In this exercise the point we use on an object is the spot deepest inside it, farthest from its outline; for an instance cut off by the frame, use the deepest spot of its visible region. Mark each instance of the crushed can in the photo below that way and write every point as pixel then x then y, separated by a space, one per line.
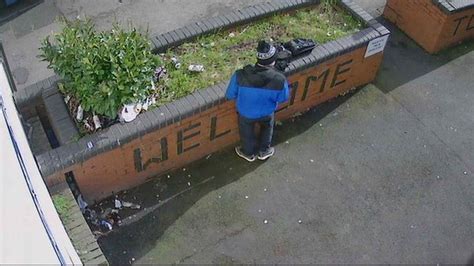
pixel 176 62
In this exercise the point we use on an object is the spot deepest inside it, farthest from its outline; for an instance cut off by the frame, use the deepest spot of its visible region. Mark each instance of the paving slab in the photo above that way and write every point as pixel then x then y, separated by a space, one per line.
pixel 22 36
pixel 436 89
pixel 382 176
pixel 365 182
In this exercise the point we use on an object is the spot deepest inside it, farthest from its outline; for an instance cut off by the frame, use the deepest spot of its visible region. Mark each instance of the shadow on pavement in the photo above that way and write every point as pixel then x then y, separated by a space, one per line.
pixel 133 240
pixel 404 60
pixel 10 12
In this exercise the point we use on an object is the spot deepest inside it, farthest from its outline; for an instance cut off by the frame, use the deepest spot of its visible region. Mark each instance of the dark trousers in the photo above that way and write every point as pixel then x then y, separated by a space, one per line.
pixel 250 141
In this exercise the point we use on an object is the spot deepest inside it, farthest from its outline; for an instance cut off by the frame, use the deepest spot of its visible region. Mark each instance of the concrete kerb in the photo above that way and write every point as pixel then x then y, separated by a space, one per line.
pixel 202 100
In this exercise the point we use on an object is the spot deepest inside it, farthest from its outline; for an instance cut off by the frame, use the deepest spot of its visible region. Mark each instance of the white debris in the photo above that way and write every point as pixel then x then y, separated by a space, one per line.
pixel 169 176
pixel 265 189
pixel 259 210
pixel 265 221
pixel 287 142
pixel 145 104
pixel 311 160
pixel 129 112
pixel 184 169
pixel 138 107
pixel 246 197
pixel 189 175
pixel 231 34
pixel 437 177
pixel 67 98
pixel 176 62
pixel 219 196
pixel 320 125
pixel 299 221
pixel 82 203
pixel 90 145
pixel 208 156
pixel 130 205
pixel 96 120
pixel 118 204
pixel 465 173
pixel 80 113
pixel 196 68
pixel 189 183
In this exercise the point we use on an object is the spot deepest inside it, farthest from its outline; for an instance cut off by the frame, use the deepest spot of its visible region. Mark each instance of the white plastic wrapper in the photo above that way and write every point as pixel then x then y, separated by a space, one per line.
pixel 80 113
pixel 96 120
pixel 196 68
pixel 128 113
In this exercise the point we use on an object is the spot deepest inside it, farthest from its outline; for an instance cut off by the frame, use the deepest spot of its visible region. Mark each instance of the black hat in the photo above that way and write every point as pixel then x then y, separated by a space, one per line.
pixel 266 53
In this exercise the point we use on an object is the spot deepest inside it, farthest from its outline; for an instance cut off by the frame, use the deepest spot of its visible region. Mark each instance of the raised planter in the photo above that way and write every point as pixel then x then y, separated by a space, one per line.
pixel 175 134
pixel 433 24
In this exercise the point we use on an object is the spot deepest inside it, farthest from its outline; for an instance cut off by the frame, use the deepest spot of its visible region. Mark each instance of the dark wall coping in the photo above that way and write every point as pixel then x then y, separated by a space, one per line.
pixel 59 117
pixel 152 120
pixel 25 96
pixel 454 6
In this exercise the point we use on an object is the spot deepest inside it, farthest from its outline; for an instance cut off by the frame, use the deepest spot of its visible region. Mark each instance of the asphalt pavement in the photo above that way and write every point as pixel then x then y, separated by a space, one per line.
pixel 383 175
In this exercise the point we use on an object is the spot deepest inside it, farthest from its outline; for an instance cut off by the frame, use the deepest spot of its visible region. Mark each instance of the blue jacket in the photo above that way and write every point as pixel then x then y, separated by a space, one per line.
pixel 257 90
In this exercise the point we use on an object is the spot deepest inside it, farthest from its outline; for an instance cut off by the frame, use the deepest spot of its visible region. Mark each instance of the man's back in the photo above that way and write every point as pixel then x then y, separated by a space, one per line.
pixel 257 90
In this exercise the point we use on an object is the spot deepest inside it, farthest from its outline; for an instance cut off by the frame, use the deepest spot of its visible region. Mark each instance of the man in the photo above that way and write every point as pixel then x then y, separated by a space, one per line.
pixel 258 90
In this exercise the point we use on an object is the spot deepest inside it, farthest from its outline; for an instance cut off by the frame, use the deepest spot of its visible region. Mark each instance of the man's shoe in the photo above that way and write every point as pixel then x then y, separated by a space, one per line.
pixel 267 154
pixel 249 158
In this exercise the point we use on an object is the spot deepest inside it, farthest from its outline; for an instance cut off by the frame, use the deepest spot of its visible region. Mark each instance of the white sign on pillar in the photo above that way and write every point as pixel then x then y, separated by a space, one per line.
pixel 376 45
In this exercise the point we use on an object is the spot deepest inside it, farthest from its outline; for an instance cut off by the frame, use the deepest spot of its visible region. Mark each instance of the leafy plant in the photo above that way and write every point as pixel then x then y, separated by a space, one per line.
pixel 103 70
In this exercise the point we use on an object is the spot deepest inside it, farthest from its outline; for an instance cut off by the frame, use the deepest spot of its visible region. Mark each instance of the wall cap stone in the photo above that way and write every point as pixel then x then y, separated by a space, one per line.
pixel 454 6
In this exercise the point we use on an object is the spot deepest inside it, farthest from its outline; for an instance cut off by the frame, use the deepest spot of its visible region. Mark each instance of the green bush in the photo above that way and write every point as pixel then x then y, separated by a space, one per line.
pixel 102 70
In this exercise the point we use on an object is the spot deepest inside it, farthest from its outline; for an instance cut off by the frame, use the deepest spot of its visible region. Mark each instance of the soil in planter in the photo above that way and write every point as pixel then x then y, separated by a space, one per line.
pixel 224 52
pixel 86 125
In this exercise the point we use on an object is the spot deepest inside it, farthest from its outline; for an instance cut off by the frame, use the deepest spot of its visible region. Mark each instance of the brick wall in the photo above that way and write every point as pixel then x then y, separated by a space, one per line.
pixel 177 133
pixel 180 143
pixel 430 24
pixel 458 27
